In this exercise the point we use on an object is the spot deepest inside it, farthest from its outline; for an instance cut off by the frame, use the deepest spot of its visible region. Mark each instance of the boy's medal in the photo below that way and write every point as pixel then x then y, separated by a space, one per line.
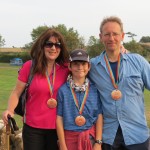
pixel 115 94
pixel 80 119
pixel 51 103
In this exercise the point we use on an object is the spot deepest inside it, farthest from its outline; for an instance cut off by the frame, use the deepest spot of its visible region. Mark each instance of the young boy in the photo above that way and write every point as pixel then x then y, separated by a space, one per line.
pixel 79 114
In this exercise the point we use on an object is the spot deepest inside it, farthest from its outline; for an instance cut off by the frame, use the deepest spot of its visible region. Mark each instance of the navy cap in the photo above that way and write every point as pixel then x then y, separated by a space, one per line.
pixel 80 55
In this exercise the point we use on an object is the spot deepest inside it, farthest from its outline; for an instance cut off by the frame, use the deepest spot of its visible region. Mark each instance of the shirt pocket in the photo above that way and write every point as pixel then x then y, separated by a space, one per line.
pixel 133 85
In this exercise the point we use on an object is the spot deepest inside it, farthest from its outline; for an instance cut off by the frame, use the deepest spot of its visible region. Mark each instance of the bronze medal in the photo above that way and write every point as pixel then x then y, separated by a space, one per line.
pixel 116 94
pixel 52 103
pixel 80 120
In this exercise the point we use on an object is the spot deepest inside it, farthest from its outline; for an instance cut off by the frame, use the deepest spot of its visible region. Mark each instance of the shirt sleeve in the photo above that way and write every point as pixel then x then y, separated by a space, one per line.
pixel 24 72
pixel 146 72
pixel 60 103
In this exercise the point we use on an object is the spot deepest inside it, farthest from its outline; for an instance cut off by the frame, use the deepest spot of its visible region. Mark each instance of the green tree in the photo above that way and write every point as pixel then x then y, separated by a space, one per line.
pixel 94 47
pixel 92 40
pixel 145 39
pixel 146 47
pixel 81 42
pixel 71 36
pixel 135 47
pixel 2 41
pixel 38 31
pixel 28 46
pixel 131 35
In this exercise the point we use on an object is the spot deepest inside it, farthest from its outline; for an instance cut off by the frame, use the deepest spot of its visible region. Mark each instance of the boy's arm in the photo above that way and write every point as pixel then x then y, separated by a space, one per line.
pixel 99 129
pixel 60 133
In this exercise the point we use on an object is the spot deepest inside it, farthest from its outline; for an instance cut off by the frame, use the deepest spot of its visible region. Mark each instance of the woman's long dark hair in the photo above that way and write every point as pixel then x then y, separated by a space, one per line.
pixel 38 55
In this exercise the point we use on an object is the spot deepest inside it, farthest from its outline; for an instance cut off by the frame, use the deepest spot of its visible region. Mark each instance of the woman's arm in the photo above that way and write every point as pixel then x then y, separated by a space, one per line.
pixel 13 100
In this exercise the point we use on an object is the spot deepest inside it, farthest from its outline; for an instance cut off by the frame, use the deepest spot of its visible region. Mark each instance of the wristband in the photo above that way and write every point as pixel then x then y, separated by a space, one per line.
pixel 98 141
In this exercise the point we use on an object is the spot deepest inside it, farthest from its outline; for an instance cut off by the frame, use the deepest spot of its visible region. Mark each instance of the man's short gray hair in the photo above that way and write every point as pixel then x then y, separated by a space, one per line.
pixel 111 19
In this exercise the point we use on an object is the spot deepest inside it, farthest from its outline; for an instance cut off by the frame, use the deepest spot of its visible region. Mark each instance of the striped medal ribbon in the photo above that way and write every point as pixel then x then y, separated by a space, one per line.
pixel 51 103
pixel 80 119
pixel 116 93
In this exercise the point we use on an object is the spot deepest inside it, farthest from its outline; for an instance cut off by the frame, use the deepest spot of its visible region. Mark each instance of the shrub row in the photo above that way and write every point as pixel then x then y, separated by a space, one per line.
pixel 6 56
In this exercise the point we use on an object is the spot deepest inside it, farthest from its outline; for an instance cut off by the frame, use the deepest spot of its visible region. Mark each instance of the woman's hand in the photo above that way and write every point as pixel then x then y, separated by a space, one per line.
pixel 5 116
pixel 123 50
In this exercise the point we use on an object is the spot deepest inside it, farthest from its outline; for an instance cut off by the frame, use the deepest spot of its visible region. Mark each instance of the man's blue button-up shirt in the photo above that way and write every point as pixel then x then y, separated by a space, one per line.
pixel 128 112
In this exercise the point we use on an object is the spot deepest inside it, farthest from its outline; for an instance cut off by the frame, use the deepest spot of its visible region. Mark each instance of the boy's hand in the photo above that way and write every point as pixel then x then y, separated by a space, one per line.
pixel 97 146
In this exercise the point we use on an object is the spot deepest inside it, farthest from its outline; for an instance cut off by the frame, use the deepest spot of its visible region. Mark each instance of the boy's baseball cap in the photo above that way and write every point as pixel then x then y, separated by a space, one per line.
pixel 80 55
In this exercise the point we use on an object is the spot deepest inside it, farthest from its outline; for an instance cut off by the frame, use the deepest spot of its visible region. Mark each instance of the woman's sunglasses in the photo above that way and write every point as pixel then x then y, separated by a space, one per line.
pixel 51 44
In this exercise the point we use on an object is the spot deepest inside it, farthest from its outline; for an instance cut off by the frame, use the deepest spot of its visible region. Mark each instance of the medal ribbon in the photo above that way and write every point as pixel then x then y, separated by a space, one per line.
pixel 115 84
pixel 76 100
pixel 51 85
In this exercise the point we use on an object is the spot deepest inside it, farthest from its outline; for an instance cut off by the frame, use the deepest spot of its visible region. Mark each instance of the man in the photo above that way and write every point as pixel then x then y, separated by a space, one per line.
pixel 121 79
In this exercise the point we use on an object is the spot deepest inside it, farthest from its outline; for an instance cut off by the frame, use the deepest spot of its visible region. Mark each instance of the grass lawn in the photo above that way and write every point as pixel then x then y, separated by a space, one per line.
pixel 147 105
pixel 8 77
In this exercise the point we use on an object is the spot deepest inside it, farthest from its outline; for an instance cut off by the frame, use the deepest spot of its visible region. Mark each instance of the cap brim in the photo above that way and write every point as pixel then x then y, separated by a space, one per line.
pixel 80 59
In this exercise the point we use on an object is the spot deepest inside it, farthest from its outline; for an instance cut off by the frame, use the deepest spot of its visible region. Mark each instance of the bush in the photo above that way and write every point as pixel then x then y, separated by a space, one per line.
pixel 6 56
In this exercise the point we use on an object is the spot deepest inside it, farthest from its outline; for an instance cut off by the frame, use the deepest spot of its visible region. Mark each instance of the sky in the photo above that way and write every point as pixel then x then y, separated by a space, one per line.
pixel 19 17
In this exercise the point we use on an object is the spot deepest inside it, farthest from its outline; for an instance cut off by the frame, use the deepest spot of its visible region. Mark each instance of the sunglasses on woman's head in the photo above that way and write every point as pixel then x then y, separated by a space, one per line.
pixel 51 44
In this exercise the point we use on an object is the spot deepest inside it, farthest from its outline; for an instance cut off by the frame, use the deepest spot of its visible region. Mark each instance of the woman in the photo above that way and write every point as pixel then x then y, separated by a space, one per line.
pixel 50 72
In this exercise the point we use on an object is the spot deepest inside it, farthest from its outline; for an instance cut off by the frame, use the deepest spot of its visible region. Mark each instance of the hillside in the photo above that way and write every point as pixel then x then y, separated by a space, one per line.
pixel 6 50
pixel 146 44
